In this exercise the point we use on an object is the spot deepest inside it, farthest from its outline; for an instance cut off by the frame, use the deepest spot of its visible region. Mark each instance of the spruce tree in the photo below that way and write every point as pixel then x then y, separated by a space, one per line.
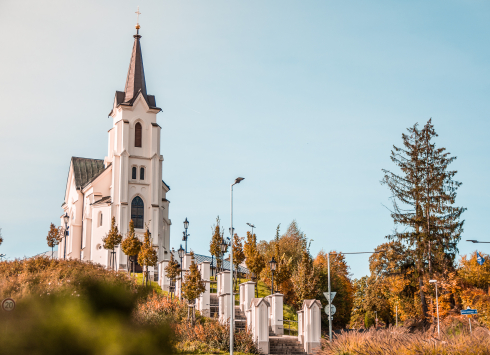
pixel 112 240
pixel 423 195
pixel 53 238
pixel 131 245
pixel 147 256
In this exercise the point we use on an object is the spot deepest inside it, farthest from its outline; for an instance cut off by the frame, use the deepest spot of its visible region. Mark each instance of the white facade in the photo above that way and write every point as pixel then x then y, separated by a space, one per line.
pixel 130 174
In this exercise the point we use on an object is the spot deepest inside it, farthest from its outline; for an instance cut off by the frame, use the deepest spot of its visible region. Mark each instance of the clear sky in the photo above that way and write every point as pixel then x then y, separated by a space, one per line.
pixel 302 98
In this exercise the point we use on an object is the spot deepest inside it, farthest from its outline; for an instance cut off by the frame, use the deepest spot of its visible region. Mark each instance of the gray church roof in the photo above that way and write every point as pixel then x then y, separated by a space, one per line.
pixel 85 170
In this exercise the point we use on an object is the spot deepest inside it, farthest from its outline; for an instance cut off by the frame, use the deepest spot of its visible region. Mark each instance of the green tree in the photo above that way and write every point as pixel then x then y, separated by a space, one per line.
pixel 423 196
pixel 238 255
pixel 172 270
pixel 53 238
pixel 148 255
pixel 305 280
pixel 112 240
pixel 215 245
pixel 131 245
pixel 253 259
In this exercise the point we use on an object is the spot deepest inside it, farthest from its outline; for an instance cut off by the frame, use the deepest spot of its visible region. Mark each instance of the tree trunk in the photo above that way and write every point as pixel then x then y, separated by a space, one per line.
pixel 422 300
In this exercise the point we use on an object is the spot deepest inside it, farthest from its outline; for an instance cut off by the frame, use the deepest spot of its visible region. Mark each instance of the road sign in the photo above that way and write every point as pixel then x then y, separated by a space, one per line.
pixel 332 296
pixel 469 311
pixel 8 304
pixel 327 309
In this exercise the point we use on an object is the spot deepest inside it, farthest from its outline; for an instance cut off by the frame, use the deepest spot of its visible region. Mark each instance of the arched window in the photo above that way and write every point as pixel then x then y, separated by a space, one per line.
pixel 137 135
pixel 137 212
pixel 142 173
pixel 133 173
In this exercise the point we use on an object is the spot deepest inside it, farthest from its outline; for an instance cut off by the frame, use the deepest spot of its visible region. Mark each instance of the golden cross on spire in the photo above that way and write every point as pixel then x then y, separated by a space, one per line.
pixel 138 13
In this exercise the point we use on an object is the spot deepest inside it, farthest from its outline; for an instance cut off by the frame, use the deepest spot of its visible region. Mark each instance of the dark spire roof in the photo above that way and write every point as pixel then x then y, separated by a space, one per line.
pixel 135 81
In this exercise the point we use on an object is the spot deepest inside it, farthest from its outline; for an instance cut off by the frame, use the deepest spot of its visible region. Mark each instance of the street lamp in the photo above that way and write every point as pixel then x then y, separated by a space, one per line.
pixel 186 225
pixel 437 305
pixel 181 256
pixel 66 218
pixel 329 300
pixel 273 265
pixel 224 246
pixel 232 298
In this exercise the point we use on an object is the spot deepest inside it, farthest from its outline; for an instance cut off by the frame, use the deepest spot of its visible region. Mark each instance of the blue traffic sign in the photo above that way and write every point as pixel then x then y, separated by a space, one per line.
pixel 469 311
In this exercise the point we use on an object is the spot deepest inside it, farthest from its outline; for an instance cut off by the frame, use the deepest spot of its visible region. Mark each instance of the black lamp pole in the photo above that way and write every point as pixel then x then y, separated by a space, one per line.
pixel 186 225
pixel 181 256
pixel 273 264
pixel 66 218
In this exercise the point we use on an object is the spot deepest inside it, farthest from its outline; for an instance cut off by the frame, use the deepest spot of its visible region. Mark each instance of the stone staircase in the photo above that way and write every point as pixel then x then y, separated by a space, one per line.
pixel 287 345
pixel 240 319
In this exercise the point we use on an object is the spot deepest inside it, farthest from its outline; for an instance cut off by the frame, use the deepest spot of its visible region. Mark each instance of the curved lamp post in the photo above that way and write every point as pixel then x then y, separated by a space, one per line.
pixel 66 219
pixel 181 256
pixel 232 298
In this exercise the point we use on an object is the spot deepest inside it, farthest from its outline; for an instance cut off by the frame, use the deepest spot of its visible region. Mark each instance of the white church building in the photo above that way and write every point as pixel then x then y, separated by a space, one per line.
pixel 127 184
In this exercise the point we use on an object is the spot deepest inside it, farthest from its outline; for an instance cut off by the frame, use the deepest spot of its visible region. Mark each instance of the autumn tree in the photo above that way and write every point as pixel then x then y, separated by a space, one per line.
pixel 238 255
pixel 474 274
pixel 254 260
pixel 423 198
pixel 131 245
pixel 305 280
pixel 112 240
pixel 193 285
pixel 215 245
pixel 172 270
pixel 53 238
pixel 340 282
pixel 147 256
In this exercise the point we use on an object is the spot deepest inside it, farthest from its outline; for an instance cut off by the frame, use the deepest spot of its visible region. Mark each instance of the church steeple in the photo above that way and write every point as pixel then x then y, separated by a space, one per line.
pixel 135 80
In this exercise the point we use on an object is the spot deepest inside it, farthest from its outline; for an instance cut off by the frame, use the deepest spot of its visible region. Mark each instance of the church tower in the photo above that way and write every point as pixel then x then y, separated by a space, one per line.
pixel 127 184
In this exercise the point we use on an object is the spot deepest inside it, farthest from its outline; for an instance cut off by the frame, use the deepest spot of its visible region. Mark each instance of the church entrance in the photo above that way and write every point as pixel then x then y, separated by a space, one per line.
pixel 137 267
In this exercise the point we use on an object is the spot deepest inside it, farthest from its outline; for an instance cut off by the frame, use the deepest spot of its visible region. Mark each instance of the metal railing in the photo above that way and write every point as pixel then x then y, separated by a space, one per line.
pixel 290 331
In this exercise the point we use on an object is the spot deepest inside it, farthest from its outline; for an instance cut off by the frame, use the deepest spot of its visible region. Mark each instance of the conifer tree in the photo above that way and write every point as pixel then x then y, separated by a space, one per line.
pixel 53 238
pixel 172 270
pixel 112 240
pixel 215 245
pixel 305 280
pixel 254 260
pixel 423 195
pixel 238 255
pixel 147 256
pixel 131 245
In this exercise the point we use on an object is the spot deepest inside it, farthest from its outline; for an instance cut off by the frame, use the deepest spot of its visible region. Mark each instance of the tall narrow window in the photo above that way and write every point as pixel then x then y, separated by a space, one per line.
pixel 100 222
pixel 137 212
pixel 142 173
pixel 133 173
pixel 137 135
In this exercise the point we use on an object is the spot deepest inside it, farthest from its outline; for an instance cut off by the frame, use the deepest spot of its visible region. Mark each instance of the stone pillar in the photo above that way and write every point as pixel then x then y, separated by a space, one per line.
pixel 260 327
pixel 301 330
pixel 224 308
pixel 312 325
pixel 248 294
pixel 223 282
pixel 187 261
pixel 277 314
pixel 204 299
pixel 163 280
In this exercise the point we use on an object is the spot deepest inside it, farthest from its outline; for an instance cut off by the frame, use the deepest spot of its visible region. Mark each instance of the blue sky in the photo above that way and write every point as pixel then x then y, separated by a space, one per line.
pixel 302 98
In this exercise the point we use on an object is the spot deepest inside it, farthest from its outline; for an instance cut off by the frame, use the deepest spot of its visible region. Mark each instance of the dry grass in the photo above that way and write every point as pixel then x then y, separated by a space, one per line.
pixel 454 339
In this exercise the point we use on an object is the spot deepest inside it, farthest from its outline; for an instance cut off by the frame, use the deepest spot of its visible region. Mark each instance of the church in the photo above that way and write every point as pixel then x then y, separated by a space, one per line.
pixel 127 184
